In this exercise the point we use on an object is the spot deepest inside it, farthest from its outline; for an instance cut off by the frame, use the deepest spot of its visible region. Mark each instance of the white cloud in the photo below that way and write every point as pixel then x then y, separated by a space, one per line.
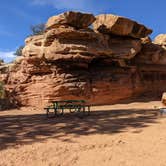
pixel 95 6
pixel 7 56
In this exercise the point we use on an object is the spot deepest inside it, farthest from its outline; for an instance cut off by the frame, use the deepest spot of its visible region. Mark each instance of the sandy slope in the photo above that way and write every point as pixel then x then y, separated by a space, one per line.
pixel 118 135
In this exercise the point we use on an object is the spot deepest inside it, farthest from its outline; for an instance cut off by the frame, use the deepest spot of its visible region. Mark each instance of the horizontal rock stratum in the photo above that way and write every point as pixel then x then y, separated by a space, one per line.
pixel 116 60
pixel 75 19
pixel 117 25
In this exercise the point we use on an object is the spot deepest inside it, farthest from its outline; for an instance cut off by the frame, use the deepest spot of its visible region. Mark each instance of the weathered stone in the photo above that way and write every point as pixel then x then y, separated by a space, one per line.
pixel 123 48
pixel 36 40
pixel 33 48
pixel 151 54
pixel 161 40
pixel 67 32
pixel 117 25
pixel 19 59
pixel 84 45
pixel 74 19
pixel 4 69
pixel 146 40
pixel 164 98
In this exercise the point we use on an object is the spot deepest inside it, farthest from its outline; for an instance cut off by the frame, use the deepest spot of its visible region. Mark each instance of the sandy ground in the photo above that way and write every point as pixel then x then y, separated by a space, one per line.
pixel 118 135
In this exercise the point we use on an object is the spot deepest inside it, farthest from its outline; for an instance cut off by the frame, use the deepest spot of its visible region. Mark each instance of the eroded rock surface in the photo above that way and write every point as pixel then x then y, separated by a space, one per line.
pixel 117 25
pixel 164 98
pixel 161 40
pixel 72 61
pixel 151 54
pixel 74 19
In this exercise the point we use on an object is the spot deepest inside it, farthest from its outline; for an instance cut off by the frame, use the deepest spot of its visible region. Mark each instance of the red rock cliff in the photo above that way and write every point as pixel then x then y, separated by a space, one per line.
pixel 114 61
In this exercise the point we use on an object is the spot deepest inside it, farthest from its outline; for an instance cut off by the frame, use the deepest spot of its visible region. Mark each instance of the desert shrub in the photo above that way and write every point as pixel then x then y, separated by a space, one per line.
pixel 19 51
pixel 1 61
pixel 37 29
pixel 2 90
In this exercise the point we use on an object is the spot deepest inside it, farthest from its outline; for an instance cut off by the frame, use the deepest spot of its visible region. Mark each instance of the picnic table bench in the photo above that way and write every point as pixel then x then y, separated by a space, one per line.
pixel 74 106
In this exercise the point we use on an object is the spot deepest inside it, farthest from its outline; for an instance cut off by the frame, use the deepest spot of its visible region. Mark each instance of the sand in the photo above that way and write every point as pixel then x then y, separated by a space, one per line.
pixel 132 134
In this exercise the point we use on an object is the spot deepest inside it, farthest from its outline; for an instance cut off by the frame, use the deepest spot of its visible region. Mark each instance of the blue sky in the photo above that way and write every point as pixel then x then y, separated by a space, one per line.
pixel 16 16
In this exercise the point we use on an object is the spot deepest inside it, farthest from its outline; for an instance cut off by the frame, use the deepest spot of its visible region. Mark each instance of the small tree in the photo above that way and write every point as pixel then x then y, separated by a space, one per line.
pixel 2 90
pixel 38 29
pixel 1 61
pixel 19 51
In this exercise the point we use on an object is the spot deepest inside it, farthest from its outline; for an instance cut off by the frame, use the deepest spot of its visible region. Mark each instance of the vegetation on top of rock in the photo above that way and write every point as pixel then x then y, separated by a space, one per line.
pixel 35 30
pixel 1 61
pixel 2 90
pixel 19 51
pixel 38 29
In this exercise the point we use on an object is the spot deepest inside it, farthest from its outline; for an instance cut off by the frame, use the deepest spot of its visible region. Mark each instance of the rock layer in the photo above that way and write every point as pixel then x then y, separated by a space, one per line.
pixel 74 19
pixel 151 54
pixel 76 62
pixel 117 25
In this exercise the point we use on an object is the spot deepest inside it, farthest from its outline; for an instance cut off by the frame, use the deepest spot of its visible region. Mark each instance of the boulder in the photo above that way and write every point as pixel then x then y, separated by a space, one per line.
pixel 117 25
pixel 74 19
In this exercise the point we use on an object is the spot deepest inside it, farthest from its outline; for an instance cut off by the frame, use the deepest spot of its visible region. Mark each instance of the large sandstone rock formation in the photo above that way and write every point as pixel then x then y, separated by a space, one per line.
pixel 72 61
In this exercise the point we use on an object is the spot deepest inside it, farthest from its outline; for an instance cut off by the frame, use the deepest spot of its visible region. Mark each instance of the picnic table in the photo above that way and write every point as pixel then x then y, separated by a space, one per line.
pixel 73 106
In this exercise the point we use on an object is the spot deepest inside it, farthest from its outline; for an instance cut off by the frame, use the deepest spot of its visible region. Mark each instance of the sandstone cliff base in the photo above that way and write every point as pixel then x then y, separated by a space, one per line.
pixel 131 135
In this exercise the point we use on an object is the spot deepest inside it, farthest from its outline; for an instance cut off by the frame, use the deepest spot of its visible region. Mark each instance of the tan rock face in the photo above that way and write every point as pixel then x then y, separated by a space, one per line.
pixel 33 48
pixel 161 40
pixel 146 40
pixel 164 98
pixel 75 62
pixel 86 45
pixel 151 54
pixel 68 44
pixel 74 19
pixel 117 25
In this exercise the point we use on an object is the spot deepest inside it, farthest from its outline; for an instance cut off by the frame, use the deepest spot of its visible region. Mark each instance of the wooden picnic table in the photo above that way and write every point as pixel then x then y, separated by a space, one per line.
pixel 74 106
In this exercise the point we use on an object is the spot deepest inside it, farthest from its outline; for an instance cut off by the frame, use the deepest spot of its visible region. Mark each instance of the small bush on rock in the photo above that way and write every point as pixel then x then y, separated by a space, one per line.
pixel 2 90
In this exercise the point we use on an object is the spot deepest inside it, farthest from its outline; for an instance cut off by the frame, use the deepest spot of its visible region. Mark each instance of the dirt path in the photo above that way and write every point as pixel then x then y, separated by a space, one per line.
pixel 118 135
